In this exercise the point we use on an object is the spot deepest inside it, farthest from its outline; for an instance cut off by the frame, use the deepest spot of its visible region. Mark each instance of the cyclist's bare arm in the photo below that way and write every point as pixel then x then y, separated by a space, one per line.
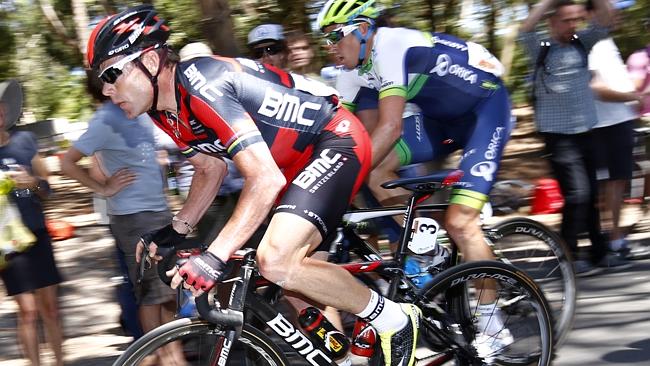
pixel 389 127
pixel 209 172
pixel 263 180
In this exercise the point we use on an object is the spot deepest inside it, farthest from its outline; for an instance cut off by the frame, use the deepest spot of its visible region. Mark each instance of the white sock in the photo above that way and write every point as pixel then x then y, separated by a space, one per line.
pixel 489 320
pixel 383 314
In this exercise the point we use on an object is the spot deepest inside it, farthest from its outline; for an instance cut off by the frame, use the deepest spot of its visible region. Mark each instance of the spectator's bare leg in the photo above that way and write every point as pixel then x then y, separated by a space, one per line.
pixel 613 200
pixel 152 316
pixel 27 326
pixel 48 307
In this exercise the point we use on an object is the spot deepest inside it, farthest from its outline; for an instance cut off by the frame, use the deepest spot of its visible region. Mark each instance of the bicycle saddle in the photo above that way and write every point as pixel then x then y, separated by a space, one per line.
pixel 426 183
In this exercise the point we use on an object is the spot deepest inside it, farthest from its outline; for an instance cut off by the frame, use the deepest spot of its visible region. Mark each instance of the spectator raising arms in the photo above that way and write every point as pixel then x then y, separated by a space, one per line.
pixel 565 114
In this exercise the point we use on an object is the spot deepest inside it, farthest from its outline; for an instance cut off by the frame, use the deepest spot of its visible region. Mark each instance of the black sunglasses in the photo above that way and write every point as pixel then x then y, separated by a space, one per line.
pixel 274 49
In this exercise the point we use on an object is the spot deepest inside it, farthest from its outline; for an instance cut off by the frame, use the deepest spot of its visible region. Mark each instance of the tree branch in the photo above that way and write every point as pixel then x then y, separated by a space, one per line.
pixel 56 24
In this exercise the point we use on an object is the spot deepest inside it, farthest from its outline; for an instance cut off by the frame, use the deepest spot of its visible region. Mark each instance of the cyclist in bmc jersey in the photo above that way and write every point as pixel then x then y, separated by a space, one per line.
pixel 456 86
pixel 288 138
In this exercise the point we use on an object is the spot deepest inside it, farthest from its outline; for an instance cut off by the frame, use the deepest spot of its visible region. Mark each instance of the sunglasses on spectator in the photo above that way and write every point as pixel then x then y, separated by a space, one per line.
pixel 111 73
pixel 273 49
pixel 335 36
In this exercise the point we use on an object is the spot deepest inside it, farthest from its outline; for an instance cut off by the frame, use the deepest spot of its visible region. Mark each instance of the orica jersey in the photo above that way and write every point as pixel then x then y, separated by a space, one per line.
pixel 225 105
pixel 443 75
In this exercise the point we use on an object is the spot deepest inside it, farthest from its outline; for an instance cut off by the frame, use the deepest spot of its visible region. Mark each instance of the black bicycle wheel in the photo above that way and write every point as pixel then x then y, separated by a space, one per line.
pixel 198 340
pixel 538 251
pixel 516 331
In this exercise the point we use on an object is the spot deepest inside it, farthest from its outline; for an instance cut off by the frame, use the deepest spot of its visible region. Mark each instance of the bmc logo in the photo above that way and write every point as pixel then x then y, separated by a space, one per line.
pixel 298 341
pixel 210 148
pixel 316 169
pixel 287 107
pixel 200 83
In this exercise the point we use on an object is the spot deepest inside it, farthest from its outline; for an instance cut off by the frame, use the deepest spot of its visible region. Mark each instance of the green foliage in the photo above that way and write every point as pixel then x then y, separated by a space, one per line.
pixel 185 18
pixel 7 47
pixel 31 51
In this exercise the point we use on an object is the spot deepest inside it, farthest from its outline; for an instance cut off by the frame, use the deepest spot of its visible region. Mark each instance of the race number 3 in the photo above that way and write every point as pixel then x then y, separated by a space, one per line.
pixel 423 235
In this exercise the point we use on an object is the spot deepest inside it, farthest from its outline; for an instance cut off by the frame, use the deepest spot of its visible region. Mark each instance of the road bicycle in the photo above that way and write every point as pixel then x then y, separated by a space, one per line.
pixel 527 244
pixel 225 335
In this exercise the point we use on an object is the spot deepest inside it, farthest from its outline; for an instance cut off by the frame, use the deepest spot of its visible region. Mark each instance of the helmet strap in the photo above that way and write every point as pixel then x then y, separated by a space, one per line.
pixel 363 40
pixel 153 78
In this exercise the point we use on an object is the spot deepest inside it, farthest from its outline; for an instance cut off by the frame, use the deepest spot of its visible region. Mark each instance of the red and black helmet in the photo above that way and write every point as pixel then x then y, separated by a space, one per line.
pixel 127 32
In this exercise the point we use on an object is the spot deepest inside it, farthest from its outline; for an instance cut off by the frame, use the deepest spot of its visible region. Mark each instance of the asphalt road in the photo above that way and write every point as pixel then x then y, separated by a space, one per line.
pixel 612 320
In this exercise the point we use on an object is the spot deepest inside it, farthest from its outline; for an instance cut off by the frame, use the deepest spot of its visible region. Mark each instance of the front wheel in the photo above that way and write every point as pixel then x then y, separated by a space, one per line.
pixel 197 342
pixel 513 325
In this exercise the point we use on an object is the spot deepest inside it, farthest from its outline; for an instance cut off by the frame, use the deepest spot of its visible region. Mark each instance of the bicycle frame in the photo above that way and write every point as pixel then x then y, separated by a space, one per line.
pixel 244 298
pixel 254 303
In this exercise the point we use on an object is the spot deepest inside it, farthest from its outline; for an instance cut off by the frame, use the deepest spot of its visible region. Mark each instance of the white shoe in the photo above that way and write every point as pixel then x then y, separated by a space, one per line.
pixel 492 336
pixel 488 347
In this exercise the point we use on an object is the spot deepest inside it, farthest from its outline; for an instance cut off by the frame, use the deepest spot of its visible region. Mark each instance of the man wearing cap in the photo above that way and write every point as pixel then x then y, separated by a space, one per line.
pixel 31 277
pixel 617 104
pixel 267 45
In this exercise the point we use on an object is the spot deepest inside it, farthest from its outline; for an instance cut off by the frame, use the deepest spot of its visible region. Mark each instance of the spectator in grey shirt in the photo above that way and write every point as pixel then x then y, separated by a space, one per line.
pixel 565 113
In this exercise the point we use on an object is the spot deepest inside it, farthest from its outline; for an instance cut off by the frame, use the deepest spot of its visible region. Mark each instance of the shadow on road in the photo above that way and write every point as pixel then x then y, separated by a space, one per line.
pixel 638 352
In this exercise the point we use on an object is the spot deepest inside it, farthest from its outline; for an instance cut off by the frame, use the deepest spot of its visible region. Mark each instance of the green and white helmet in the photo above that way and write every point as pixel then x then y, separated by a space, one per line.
pixel 346 11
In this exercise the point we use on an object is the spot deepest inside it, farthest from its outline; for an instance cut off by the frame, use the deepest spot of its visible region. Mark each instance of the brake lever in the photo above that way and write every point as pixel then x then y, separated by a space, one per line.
pixel 144 260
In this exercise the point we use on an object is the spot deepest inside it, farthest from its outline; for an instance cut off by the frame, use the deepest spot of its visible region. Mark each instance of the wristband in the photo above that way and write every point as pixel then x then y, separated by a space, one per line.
pixel 189 227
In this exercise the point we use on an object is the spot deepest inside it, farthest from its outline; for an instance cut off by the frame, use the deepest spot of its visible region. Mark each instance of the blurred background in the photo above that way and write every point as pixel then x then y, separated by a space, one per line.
pixel 42 42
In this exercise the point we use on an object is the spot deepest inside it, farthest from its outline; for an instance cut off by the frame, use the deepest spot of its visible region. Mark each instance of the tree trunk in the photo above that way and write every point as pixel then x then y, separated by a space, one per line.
pixel 508 51
pixel 81 22
pixel 217 27
pixel 55 23
pixel 432 13
pixel 491 23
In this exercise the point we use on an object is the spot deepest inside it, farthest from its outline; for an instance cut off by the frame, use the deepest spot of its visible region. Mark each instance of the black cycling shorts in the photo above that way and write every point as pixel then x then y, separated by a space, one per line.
pixel 322 183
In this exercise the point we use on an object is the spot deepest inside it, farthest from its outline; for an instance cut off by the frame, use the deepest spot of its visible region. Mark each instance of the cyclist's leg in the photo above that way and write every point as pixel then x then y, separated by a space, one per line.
pixel 299 302
pixel 382 173
pixel 311 207
pixel 489 129
pixel 482 154
pixel 418 144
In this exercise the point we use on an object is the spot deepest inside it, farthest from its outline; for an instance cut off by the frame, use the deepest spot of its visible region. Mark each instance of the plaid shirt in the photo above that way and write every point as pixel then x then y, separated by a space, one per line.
pixel 564 101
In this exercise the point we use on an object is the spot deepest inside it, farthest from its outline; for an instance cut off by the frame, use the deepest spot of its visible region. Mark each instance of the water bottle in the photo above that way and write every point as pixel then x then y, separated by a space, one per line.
pixel 172 184
pixel 364 338
pixel 321 331
pixel 416 268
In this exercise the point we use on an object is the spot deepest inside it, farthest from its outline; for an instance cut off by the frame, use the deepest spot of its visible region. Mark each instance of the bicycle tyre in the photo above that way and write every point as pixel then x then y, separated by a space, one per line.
pixel 451 290
pixel 543 255
pixel 253 347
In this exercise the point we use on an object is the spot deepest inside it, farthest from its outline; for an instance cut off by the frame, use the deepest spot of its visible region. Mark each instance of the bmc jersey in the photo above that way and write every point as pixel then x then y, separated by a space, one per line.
pixel 443 75
pixel 216 94
pixel 228 104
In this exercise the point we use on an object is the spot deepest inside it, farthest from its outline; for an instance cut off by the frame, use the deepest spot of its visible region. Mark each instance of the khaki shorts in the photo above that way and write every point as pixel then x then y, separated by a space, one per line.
pixel 127 230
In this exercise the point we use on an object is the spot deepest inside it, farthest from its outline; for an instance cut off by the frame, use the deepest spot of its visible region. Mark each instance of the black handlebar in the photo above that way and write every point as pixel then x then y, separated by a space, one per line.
pixel 225 317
